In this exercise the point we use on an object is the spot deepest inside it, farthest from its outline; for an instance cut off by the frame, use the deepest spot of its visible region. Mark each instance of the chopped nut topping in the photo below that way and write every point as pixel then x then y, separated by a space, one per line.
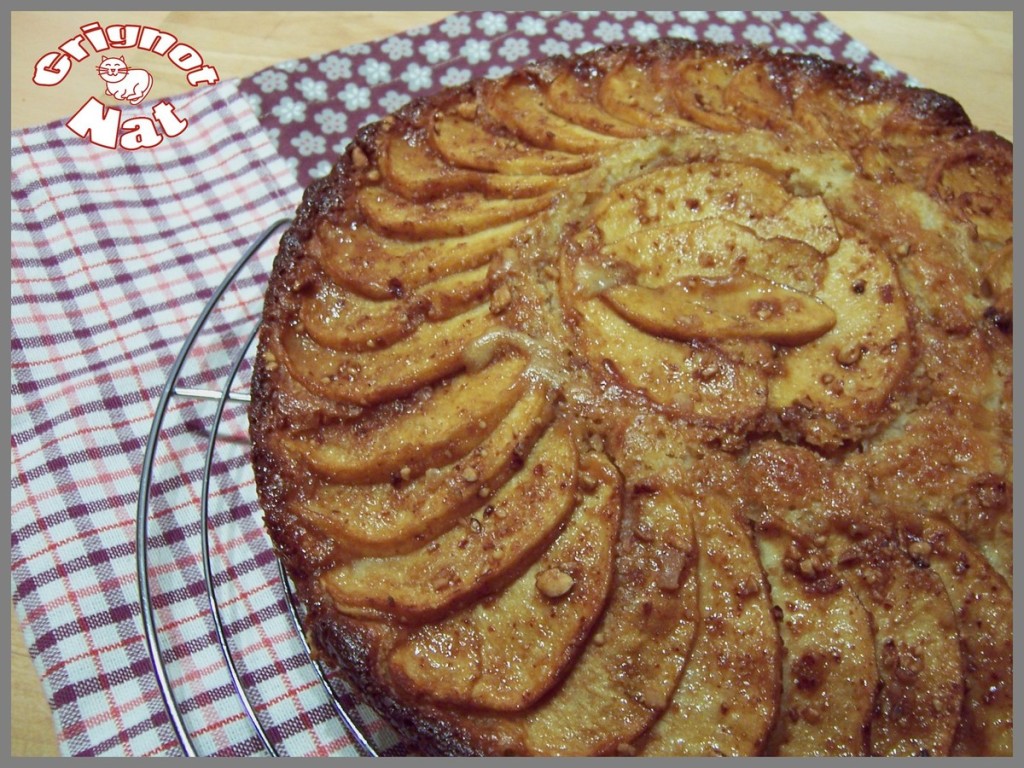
pixel 920 550
pixel 554 582
pixel 812 715
pixel 359 159
pixel 587 481
pixel 626 750
pixel 405 473
pixel 467 110
pixel 470 475
pixel 501 299
pixel 849 356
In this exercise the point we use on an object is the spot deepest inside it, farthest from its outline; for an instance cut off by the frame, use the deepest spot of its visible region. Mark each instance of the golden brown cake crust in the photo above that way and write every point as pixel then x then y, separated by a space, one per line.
pixel 735 329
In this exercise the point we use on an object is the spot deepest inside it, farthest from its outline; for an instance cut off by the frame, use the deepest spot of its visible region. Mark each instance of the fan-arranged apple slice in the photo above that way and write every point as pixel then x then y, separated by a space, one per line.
pixel 737 307
pixel 522 107
pixel 716 248
pixel 473 560
pixel 753 95
pixel 807 219
pixel 338 319
pixel 468 144
pixel 673 194
pixel 431 431
pixel 625 676
pixel 628 93
pixel 430 353
pixel 728 697
pixel 983 605
pixel 574 96
pixel 456 215
pixel 508 651
pixel 381 267
pixel 686 380
pixel 917 649
pixel 414 170
pixel 829 675
pixel 699 86
pixel 842 383
pixel 392 517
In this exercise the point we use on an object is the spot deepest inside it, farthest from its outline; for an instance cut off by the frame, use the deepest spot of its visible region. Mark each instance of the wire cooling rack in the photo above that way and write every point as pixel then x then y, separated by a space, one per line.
pixel 333 692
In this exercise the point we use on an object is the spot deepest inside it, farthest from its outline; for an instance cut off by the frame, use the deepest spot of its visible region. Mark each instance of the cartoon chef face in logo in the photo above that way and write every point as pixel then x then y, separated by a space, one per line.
pixel 123 82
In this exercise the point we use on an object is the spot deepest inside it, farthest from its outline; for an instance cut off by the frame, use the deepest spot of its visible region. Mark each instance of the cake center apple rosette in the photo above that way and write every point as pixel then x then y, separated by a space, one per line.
pixel 655 402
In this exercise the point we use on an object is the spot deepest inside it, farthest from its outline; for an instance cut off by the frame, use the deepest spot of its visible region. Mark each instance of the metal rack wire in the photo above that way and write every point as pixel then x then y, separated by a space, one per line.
pixel 173 388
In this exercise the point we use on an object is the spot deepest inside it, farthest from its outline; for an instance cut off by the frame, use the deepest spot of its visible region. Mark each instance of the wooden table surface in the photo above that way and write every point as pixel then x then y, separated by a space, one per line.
pixel 966 55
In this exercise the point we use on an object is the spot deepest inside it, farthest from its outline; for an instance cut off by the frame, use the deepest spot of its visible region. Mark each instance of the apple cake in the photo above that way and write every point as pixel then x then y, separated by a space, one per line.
pixel 654 401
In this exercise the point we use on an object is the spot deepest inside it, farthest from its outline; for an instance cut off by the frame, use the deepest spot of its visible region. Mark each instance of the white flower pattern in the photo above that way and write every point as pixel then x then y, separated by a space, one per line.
pixel 514 48
pixel 313 90
pixel 336 67
pixel 609 32
pixel 531 25
pixel 289 110
pixel 455 76
pixel 476 51
pixel 355 97
pixel 331 121
pixel 375 71
pixel 492 23
pixel 436 50
pixel 308 143
pixel 270 80
pixel 393 100
pixel 417 77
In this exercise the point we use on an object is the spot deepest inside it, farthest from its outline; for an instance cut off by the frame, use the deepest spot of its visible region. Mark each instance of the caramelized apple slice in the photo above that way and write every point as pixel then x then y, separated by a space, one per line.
pixel 983 604
pixel 574 96
pixel 631 95
pixel 728 697
pixel 523 108
pixel 917 649
pixel 738 307
pixel 699 86
pixel 415 171
pixel 686 380
pixel 752 95
pixel 829 675
pixel 507 652
pixel 338 319
pixel 472 560
pixel 743 194
pixel 430 432
pixel 457 215
pixel 432 352
pixel 396 517
pixel 624 678
pixel 997 282
pixel 466 143
pixel 716 248
pixel 380 267
pixel 807 219
pixel 841 383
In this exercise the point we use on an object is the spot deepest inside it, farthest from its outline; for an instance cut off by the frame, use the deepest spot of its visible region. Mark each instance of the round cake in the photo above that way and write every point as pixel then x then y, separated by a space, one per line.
pixel 655 401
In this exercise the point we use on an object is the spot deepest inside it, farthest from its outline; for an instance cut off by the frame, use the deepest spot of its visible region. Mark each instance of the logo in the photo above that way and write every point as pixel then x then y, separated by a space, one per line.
pixel 103 125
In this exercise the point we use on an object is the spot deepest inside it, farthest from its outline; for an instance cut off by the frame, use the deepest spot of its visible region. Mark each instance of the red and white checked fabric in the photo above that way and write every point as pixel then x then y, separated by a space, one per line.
pixel 114 253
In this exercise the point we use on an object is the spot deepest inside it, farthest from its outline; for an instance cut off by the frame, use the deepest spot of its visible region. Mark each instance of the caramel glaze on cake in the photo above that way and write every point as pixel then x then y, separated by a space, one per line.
pixel 654 401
